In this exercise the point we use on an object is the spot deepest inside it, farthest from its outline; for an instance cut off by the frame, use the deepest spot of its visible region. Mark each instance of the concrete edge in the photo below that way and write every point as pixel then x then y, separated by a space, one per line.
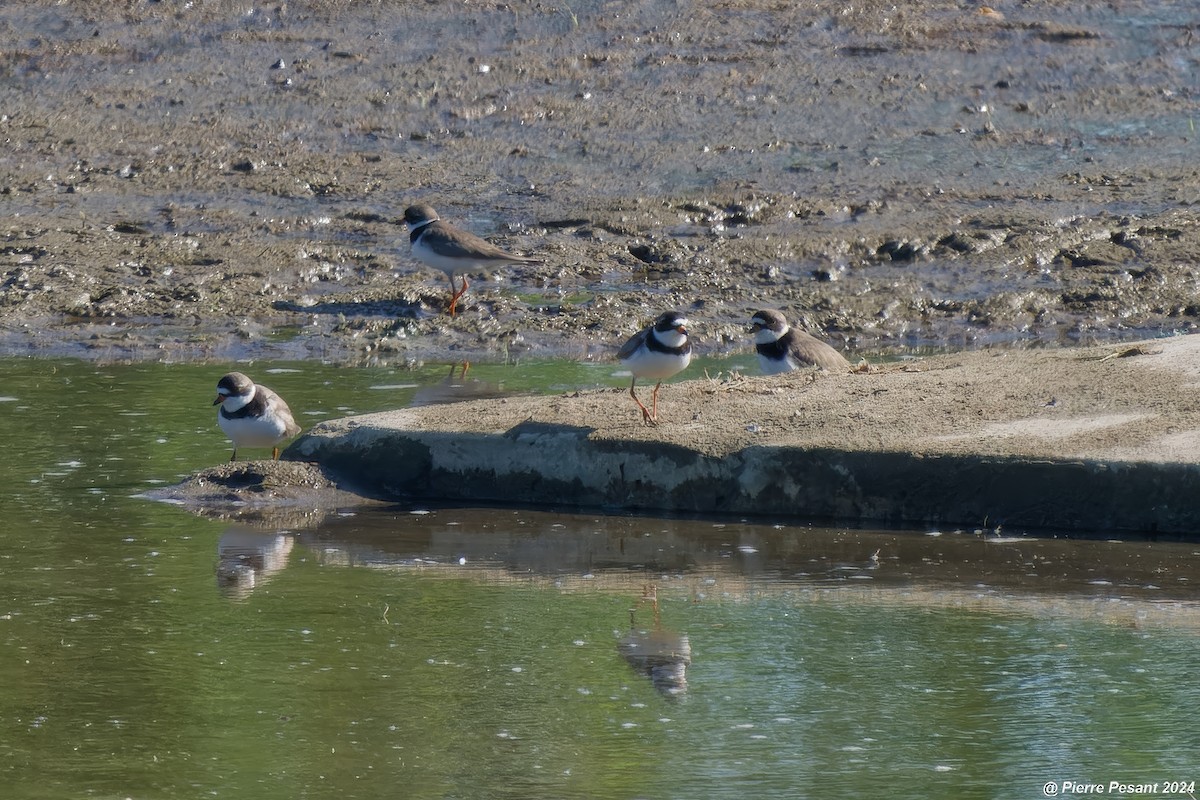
pixel 544 464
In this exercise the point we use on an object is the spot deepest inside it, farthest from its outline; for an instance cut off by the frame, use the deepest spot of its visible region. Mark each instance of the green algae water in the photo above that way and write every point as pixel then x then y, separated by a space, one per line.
pixel 433 652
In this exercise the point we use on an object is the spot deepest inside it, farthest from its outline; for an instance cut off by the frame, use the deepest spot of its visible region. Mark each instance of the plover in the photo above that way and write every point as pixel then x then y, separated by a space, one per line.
pixel 451 250
pixel 782 348
pixel 252 415
pixel 656 352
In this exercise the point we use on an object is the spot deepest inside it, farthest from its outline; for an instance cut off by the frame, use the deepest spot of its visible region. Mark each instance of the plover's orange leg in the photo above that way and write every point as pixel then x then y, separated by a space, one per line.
pixel 654 402
pixel 647 417
pixel 456 293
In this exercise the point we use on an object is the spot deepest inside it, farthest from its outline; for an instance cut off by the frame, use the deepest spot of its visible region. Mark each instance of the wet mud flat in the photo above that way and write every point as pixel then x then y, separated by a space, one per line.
pixel 224 181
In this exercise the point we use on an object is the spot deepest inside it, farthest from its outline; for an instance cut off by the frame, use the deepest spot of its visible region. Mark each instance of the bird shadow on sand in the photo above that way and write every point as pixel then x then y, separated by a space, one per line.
pixel 532 429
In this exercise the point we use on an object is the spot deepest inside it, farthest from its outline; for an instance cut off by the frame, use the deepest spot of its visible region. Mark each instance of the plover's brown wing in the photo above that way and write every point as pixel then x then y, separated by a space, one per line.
pixel 808 349
pixel 630 347
pixel 450 242
pixel 278 406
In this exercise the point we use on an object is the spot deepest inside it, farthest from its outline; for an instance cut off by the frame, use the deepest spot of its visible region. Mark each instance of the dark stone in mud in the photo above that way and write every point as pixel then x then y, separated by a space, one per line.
pixel 967 243
pixel 1058 34
pixel 901 250
pixel 1077 259
pixel 657 255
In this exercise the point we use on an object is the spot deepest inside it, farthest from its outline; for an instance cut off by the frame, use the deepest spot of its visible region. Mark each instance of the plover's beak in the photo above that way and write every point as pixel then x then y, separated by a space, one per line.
pixel 681 329
pixel 220 399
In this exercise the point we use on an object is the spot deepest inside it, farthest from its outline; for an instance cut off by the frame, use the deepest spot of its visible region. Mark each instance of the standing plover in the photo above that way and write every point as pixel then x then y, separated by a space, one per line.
pixel 252 415
pixel 443 246
pixel 656 352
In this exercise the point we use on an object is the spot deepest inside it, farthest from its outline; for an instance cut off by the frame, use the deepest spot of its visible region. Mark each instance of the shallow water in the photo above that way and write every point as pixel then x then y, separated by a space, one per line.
pixel 444 652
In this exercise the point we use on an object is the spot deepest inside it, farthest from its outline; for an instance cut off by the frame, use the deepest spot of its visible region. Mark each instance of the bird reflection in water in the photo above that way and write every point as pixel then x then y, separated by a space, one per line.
pixel 455 388
pixel 246 559
pixel 661 654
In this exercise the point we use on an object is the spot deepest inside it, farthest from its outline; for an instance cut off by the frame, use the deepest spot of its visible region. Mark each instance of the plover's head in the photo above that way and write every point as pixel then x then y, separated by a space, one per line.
pixel 767 326
pixel 671 321
pixel 671 328
pixel 418 215
pixel 234 387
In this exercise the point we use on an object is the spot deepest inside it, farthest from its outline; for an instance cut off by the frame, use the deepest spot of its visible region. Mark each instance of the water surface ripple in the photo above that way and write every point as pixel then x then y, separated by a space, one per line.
pixel 483 653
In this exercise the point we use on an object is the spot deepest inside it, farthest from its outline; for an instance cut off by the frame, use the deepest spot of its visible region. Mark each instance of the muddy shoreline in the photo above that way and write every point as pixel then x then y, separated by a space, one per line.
pixel 217 183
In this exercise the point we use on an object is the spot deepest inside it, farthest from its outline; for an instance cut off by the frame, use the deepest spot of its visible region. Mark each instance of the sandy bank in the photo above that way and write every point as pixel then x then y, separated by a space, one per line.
pixel 1094 439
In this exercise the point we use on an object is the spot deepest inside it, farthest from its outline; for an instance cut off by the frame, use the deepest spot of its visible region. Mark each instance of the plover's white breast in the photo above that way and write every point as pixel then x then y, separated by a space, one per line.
pixel 775 366
pixel 655 365
pixel 266 430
